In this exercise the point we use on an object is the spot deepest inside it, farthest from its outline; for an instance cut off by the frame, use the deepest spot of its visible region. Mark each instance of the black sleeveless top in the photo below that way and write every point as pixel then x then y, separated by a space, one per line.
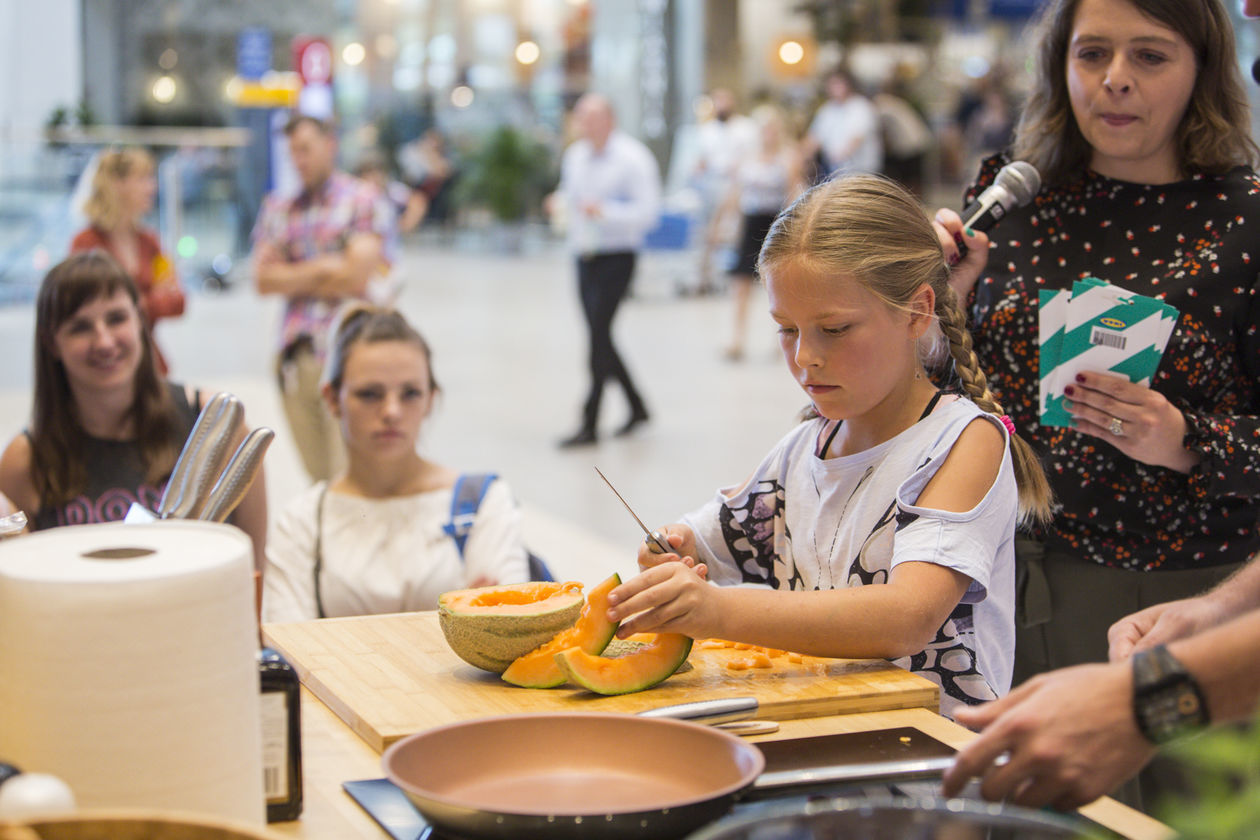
pixel 116 475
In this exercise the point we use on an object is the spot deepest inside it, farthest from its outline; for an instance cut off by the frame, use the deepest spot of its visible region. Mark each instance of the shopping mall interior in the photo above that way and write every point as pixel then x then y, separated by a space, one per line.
pixel 206 85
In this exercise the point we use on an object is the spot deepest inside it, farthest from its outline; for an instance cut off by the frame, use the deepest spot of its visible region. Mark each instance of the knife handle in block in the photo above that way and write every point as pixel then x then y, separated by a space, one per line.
pixel 177 493
pixel 237 476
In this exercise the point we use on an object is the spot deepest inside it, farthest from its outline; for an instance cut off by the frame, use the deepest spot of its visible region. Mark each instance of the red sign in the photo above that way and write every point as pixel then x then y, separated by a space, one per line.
pixel 313 60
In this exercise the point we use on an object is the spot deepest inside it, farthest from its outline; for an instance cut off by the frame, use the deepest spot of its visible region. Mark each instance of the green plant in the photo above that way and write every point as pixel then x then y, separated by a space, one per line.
pixel 507 174
pixel 1224 769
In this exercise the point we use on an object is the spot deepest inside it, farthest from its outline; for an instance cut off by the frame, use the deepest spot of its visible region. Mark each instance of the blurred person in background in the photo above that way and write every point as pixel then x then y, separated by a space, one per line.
pixel 845 132
pixel 427 167
pixel 408 205
pixel 316 249
pixel 609 193
pixel 983 123
pixel 904 133
pixel 766 179
pixel 1137 121
pixel 106 427
pixel 723 141
pixel 374 539
pixel 122 194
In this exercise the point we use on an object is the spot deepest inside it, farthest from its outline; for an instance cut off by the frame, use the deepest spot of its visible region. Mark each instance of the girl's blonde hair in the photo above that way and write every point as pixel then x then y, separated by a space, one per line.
pixel 872 229
pixel 103 207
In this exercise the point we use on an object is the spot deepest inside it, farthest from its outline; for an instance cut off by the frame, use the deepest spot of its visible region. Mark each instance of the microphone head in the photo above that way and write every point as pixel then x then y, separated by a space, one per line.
pixel 1021 179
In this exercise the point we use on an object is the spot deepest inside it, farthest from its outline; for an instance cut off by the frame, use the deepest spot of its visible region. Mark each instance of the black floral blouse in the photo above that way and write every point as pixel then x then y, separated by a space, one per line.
pixel 1189 243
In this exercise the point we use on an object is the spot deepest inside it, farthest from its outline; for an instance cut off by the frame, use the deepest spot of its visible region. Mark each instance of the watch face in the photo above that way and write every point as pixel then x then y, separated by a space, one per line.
pixel 1172 711
pixel 1166 700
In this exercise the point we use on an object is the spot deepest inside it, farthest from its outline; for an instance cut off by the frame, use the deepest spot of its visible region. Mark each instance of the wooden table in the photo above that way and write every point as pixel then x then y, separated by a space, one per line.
pixel 388 676
pixel 333 753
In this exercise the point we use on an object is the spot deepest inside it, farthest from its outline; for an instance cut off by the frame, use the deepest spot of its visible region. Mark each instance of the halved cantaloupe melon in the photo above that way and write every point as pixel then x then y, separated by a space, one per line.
pixel 491 626
pixel 591 632
pixel 636 671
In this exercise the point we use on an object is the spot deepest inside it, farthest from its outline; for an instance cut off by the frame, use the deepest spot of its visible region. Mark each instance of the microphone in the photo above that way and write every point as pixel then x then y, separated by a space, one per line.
pixel 1015 185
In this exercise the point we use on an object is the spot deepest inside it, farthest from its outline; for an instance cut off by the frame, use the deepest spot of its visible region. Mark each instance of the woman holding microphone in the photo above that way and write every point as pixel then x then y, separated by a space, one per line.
pixel 1137 124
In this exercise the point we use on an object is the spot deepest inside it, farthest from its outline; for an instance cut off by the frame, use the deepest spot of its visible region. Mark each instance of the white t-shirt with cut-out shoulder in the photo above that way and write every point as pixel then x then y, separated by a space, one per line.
pixel 807 523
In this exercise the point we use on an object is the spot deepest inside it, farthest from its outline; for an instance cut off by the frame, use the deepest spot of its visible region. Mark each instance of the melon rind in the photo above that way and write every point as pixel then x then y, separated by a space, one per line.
pixel 591 632
pixel 493 640
pixel 632 672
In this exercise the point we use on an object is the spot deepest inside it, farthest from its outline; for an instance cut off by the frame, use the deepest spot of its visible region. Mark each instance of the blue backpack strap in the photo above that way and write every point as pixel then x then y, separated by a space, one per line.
pixel 470 489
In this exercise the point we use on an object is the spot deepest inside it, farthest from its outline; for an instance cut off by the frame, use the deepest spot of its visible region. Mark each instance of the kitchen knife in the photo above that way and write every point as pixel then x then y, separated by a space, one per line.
pixel 238 475
pixel 711 712
pixel 657 543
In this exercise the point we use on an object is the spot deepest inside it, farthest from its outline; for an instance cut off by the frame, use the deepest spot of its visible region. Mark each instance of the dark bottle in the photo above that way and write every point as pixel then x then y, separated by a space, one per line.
pixel 282 736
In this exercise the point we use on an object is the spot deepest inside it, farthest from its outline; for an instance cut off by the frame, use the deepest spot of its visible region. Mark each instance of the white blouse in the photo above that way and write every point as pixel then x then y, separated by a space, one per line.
pixel 385 555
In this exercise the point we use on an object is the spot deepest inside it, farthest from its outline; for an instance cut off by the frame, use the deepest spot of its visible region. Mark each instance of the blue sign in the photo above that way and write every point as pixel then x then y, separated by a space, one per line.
pixel 1006 9
pixel 253 53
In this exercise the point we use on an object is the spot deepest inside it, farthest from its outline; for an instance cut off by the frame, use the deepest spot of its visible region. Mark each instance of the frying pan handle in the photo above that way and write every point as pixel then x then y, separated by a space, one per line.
pixel 722 710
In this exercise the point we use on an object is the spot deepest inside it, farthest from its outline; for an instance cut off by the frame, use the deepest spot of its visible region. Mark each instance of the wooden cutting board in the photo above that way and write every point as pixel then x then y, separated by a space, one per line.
pixel 388 676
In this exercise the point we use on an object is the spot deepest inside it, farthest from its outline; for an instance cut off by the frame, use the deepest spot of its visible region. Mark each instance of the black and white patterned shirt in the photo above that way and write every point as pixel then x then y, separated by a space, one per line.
pixel 805 523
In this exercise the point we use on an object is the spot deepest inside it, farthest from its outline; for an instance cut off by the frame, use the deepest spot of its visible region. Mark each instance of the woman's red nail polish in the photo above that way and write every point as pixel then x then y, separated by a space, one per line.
pixel 1080 377
pixel 953 260
pixel 958 239
pixel 1069 390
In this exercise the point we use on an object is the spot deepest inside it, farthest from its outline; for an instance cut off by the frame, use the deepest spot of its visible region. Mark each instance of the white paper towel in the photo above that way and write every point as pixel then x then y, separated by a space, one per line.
pixel 128 665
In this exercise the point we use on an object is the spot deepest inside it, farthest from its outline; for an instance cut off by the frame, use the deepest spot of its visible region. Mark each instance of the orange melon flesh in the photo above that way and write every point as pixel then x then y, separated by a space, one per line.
pixel 636 671
pixel 491 626
pixel 591 632
pixel 525 597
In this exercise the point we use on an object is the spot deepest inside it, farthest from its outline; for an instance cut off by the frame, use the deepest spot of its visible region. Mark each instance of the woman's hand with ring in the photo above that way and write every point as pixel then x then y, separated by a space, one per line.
pixel 1135 419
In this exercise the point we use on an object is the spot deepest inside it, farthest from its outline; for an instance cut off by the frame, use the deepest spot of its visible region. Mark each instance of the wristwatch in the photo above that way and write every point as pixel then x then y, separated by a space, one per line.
pixel 1167 701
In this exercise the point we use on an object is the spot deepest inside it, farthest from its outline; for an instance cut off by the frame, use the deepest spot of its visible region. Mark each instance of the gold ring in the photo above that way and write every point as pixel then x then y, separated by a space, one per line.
pixel 1116 427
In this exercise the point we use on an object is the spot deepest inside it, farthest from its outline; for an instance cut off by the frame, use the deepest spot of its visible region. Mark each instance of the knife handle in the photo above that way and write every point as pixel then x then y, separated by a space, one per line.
pixel 237 476
pixel 723 710
pixel 178 485
pixel 210 466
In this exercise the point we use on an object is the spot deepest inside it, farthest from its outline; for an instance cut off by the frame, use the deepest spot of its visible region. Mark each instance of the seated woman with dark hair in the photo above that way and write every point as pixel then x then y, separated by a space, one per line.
pixel 105 429
pixel 379 537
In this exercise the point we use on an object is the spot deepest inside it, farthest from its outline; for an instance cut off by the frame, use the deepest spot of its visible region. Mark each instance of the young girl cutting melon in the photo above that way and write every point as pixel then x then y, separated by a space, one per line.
pixel 882 526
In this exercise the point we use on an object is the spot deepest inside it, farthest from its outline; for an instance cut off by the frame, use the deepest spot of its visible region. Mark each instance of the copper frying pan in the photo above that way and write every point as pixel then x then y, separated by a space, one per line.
pixel 572 775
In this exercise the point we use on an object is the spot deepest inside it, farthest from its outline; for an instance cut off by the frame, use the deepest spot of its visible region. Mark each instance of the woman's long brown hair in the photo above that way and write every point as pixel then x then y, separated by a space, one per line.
pixel 1214 134
pixel 56 433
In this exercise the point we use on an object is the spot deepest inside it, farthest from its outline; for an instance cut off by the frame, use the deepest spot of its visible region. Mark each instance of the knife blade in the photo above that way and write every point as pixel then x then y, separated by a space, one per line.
pixel 656 541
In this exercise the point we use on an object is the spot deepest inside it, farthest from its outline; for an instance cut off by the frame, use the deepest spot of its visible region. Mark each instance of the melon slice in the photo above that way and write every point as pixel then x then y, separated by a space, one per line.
pixel 635 671
pixel 491 626
pixel 591 632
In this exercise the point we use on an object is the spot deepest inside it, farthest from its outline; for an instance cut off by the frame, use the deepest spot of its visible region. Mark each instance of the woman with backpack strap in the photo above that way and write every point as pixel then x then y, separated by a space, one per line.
pixel 376 538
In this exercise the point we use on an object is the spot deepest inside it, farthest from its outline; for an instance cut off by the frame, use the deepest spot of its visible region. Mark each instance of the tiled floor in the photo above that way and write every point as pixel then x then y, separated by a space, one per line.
pixel 509 346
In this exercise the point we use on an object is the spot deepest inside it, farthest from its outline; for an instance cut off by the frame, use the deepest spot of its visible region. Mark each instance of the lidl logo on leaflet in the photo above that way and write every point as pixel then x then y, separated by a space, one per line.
pixel 1114 323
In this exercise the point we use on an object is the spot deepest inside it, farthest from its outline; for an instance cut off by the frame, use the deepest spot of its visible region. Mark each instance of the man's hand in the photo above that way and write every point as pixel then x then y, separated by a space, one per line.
pixel 1163 623
pixel 1070 736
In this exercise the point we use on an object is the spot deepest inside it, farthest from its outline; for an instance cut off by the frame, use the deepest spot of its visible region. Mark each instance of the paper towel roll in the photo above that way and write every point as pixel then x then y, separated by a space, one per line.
pixel 128 665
